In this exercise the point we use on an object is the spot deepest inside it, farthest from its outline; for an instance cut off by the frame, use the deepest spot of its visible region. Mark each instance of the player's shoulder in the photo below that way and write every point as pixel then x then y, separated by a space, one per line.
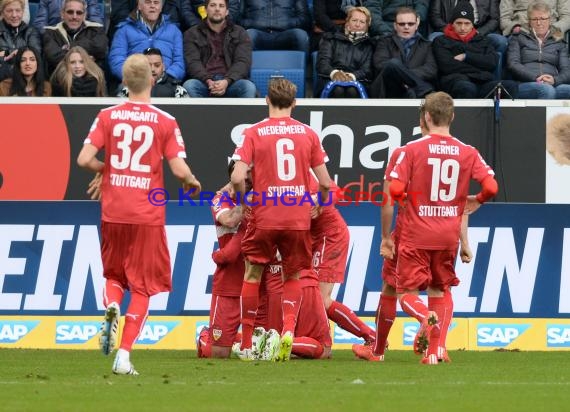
pixel 161 112
pixel 108 110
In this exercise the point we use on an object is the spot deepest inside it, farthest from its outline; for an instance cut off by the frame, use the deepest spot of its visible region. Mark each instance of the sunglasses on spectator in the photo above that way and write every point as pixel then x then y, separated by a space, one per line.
pixel 406 23
pixel 76 12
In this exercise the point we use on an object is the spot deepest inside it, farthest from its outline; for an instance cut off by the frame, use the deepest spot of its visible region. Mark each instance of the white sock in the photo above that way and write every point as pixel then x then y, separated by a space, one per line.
pixel 123 355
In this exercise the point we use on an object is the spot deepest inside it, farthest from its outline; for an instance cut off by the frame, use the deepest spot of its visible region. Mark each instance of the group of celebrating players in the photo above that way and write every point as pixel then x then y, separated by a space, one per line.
pixel 278 262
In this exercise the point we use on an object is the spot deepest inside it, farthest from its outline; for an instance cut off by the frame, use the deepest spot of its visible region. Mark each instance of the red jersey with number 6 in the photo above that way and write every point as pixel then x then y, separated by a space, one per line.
pixel 282 152
pixel 437 171
pixel 136 137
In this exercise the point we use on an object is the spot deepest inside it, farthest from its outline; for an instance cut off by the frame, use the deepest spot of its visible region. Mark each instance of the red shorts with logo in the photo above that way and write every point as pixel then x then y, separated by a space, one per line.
pixel 312 321
pixel 330 252
pixel 270 312
pixel 137 257
pixel 225 319
pixel 420 268
pixel 389 274
pixel 258 246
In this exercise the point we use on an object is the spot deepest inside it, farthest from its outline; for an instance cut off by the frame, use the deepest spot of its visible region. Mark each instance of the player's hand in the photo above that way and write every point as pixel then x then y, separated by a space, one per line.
pixel 192 183
pixel 387 248
pixel 465 253
pixel 218 257
pixel 94 188
pixel 316 211
pixel 471 205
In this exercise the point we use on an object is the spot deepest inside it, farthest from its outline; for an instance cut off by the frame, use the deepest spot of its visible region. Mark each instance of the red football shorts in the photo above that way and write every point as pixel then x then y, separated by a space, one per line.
pixel 137 257
pixel 420 268
pixel 258 246
pixel 225 313
pixel 312 321
pixel 330 252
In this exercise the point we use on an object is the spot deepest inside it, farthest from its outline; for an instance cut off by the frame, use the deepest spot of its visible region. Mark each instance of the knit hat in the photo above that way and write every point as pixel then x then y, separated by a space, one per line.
pixel 463 10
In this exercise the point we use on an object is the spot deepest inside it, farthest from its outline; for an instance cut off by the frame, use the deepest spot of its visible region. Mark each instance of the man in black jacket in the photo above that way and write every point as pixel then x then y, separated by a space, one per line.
pixel 218 56
pixel 467 60
pixel 405 60
pixel 164 84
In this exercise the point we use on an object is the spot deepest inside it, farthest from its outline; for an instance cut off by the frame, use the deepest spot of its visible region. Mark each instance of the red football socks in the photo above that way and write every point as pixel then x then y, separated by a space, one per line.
pixel 249 304
pixel 113 292
pixel 385 317
pixel 347 319
pixel 134 320
pixel 291 302
pixel 414 306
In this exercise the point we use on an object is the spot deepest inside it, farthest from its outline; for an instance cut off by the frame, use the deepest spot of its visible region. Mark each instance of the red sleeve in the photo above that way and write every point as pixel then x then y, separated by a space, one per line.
pixel 397 188
pixel 244 151
pixel 174 143
pixel 96 135
pixel 318 154
pixel 489 188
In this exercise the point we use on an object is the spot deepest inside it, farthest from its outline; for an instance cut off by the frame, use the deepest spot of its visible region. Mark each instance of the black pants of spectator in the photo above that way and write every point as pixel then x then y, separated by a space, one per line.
pixel 397 81
pixel 465 89
pixel 340 92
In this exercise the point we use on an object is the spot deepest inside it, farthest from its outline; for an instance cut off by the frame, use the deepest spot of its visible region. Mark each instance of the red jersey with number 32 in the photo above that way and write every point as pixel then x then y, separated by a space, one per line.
pixel 437 170
pixel 282 152
pixel 135 137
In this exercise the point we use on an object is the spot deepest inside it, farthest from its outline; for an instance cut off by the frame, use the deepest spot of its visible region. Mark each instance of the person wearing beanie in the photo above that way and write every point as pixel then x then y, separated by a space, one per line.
pixel 466 60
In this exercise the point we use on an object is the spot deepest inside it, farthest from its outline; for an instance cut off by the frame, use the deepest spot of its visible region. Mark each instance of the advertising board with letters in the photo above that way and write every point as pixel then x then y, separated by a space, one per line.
pixel 517 285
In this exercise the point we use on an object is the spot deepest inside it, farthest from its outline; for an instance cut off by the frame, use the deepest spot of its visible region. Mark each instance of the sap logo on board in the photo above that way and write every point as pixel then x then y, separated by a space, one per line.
pixel 13 331
pixel 75 332
pixel 558 336
pixel 498 335
pixel 411 328
pixel 342 336
pixel 154 331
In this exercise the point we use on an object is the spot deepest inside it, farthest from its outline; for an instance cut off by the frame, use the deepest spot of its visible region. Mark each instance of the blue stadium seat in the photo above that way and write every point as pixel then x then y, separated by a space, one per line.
pixel 267 64
pixel 33 11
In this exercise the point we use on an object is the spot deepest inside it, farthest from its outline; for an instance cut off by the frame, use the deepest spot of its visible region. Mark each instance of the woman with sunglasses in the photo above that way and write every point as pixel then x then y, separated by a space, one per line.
pixel 28 76
pixel 15 34
pixel 74 30
pixel 345 58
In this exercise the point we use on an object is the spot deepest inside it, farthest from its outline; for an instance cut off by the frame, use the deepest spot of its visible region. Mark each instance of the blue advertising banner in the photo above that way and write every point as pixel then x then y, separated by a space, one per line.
pixel 50 262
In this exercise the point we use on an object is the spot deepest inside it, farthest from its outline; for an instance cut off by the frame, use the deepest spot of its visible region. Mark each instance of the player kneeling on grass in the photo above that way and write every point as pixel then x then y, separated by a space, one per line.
pixel 133 247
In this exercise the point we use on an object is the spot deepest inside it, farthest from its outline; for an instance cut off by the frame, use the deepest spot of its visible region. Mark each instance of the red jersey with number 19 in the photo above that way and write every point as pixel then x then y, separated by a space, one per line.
pixel 437 171
pixel 136 137
pixel 282 151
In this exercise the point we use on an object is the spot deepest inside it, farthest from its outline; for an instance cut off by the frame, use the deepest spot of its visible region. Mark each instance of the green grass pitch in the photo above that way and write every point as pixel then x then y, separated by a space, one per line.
pixel 60 380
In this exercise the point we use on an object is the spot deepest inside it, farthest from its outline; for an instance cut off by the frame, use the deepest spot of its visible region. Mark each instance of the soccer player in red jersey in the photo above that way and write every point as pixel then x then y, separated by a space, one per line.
pixel 435 171
pixel 330 242
pixel 281 152
pixel 216 342
pixel 135 136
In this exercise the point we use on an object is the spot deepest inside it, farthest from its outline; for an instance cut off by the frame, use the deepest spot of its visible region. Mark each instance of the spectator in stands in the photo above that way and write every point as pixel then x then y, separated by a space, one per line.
pixel 27 16
pixel 347 56
pixel 330 17
pixel 28 75
pixel 74 30
pixel 15 34
pixel 77 75
pixel 183 13
pixel 49 13
pixel 538 57
pixel 384 14
pixel 486 15
pixel 147 27
pixel 218 56
pixel 404 61
pixel 164 84
pixel 466 60
pixel 514 15
pixel 276 24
